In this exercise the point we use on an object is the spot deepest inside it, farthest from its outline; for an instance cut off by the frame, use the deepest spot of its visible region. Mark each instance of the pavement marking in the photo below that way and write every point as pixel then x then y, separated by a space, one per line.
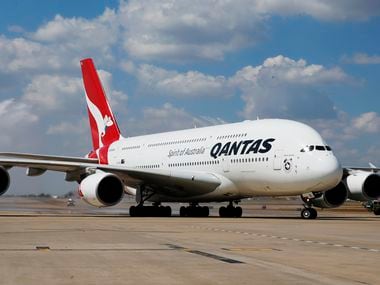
pixel 214 256
pixel 205 254
pixel 251 249
pixel 42 247
pixel 295 239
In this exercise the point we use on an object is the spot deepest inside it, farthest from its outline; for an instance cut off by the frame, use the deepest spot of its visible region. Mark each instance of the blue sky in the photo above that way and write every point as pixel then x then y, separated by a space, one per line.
pixel 170 65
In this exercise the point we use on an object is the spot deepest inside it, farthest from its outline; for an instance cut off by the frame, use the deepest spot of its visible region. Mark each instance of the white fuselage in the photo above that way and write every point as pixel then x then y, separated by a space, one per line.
pixel 252 158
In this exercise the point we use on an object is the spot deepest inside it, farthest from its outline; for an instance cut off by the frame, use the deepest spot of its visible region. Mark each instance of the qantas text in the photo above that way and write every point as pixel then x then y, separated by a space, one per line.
pixel 241 147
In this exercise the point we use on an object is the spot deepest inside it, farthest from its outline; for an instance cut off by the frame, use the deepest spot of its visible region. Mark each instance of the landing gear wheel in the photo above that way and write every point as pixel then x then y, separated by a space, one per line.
pixel 376 211
pixel 314 213
pixel 132 211
pixel 182 211
pixel 230 211
pixel 194 211
pixel 223 212
pixel 309 213
pixel 150 211
pixel 238 212
pixel 205 211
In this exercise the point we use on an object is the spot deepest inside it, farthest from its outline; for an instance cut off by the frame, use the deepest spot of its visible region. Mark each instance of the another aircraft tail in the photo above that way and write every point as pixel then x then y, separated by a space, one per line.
pixel 104 128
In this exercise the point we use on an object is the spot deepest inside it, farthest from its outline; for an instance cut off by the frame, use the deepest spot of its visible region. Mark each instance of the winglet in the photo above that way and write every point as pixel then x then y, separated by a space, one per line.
pixel 104 128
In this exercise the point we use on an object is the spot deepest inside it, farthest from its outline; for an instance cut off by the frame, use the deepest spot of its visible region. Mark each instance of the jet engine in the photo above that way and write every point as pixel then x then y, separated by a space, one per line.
pixel 4 180
pixel 332 198
pixel 101 189
pixel 363 186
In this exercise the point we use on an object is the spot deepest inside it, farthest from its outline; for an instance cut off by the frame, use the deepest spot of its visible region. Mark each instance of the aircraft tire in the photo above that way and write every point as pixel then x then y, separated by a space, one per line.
pixel 309 213
pixel 132 211
pixel 168 211
pixel 238 212
pixel 205 211
pixel 376 211
pixel 314 213
pixel 182 211
pixel 223 212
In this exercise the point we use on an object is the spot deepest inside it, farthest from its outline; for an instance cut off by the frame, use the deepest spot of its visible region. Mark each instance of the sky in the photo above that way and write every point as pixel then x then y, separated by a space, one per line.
pixel 169 65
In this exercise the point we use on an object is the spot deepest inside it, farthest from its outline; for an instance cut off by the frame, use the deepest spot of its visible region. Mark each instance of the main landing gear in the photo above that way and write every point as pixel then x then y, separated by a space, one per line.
pixel 309 213
pixel 230 211
pixel 194 210
pixel 156 210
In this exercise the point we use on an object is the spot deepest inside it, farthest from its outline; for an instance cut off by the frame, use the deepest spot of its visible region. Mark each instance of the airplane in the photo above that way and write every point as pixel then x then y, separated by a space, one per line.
pixel 223 163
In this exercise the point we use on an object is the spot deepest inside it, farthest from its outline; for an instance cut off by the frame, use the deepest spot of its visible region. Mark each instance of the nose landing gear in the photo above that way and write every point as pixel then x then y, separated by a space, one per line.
pixel 309 213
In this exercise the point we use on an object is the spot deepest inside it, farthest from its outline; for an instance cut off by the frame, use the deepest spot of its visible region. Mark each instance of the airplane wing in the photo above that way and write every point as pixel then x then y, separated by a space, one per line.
pixel 47 157
pixel 166 182
pixel 372 168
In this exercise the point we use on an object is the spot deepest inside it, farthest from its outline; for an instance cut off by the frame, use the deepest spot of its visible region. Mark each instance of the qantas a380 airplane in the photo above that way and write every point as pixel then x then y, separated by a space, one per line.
pixel 213 164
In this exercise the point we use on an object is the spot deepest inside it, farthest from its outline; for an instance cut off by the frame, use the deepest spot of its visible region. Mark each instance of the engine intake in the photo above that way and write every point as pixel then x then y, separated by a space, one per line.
pixel 363 186
pixel 332 198
pixel 4 180
pixel 101 189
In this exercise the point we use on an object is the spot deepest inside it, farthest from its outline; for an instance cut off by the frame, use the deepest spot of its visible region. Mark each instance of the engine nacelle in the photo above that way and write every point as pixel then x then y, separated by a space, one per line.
pixel 332 198
pixel 101 189
pixel 363 186
pixel 4 180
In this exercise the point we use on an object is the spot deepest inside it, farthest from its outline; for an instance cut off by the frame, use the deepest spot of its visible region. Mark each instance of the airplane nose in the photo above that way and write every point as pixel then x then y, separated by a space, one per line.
pixel 330 170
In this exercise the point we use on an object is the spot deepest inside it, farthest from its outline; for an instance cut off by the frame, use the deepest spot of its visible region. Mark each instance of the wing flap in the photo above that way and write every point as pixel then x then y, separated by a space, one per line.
pixel 175 183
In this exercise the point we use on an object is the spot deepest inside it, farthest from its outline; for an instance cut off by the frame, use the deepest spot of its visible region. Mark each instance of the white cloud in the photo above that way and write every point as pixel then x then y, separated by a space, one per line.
pixel 128 66
pixel 59 44
pixel 186 30
pixel 117 99
pixel 362 58
pixel 325 10
pixel 20 55
pixel 53 92
pixel 16 120
pixel 281 69
pixel 69 128
pixel 160 81
pixel 367 123
pixel 183 30
pixel 79 34
pixel 280 87
pixel 167 118
pixel 352 138
pixel 283 87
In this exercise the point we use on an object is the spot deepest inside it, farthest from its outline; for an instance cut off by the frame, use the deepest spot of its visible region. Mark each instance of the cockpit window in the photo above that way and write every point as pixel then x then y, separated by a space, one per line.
pixel 316 147
pixel 308 148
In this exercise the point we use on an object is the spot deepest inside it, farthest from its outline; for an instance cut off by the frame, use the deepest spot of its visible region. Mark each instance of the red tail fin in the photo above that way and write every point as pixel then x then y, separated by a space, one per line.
pixel 104 128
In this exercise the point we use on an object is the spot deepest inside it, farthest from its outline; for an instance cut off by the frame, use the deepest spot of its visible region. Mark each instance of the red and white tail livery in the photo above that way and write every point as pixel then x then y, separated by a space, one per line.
pixel 104 128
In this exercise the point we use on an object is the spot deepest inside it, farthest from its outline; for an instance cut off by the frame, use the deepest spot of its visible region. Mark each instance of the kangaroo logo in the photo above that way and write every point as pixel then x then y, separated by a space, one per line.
pixel 107 123
pixel 102 123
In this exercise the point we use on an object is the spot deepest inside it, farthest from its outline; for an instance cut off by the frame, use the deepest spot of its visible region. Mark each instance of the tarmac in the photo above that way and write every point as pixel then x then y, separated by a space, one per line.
pixel 42 241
